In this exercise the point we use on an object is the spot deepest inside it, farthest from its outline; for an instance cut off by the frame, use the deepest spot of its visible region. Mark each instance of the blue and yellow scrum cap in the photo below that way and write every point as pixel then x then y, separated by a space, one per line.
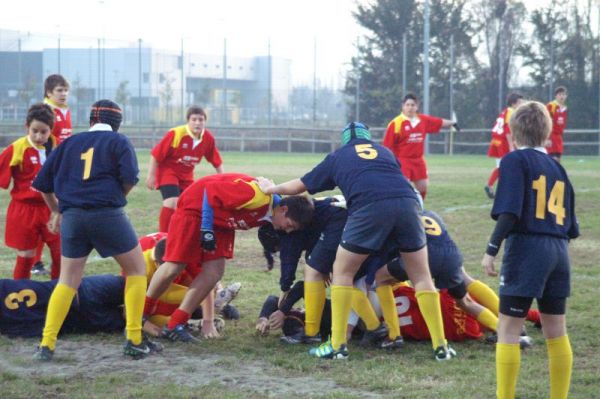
pixel 355 130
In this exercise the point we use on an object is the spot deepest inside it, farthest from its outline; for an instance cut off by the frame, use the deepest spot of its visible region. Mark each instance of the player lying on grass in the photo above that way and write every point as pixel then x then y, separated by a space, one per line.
pixel 173 159
pixel 202 232
pixel 85 182
pixel 382 207
pixel 535 212
pixel 28 215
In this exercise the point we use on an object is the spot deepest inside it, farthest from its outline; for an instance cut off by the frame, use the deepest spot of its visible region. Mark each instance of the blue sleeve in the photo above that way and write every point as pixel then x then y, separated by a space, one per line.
pixel 574 228
pixel 296 293
pixel 511 187
pixel 321 177
pixel 290 252
pixel 207 214
pixel 44 181
pixel 127 163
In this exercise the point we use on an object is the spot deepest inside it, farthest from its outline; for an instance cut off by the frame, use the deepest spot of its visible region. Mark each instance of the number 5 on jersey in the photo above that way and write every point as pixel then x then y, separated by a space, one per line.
pixel 366 151
pixel 87 166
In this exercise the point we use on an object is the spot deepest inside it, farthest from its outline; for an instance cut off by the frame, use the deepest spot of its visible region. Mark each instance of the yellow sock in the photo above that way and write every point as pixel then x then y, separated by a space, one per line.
pixel 508 363
pixel 341 303
pixel 429 305
pixel 488 319
pixel 560 363
pixel 388 307
pixel 484 295
pixel 314 301
pixel 363 308
pixel 58 307
pixel 135 295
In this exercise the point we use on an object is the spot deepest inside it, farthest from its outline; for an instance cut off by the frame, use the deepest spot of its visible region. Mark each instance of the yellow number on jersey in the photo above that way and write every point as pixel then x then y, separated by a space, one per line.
pixel 26 296
pixel 432 227
pixel 556 202
pixel 366 151
pixel 87 158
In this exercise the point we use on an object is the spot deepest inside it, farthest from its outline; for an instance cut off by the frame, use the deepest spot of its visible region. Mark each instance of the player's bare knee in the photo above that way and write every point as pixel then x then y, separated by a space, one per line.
pixel 26 253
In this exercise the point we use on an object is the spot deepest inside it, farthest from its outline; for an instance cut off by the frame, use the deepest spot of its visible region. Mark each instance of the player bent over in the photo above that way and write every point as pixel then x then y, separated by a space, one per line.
pixel 382 206
pixel 535 212
pixel 27 215
pixel 85 182
pixel 202 232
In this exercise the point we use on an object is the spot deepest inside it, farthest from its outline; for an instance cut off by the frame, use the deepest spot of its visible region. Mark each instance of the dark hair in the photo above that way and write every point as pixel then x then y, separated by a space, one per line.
pixel 106 111
pixel 513 98
pixel 159 251
pixel 40 112
pixel 300 209
pixel 193 110
pixel 410 96
pixel 269 238
pixel 52 82
pixel 560 89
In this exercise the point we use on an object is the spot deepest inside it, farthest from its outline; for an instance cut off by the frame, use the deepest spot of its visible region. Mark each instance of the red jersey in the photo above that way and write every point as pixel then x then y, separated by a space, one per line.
pixel 179 152
pixel 21 161
pixel 458 325
pixel 406 137
pixel 559 122
pixel 499 145
pixel 63 129
pixel 237 202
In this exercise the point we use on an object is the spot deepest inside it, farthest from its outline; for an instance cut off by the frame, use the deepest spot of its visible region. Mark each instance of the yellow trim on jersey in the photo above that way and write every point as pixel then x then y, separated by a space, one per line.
pixel 181 132
pixel 19 147
pixel 259 200
pixel 553 107
pixel 150 263
pixel 509 112
pixel 397 121
pixel 52 104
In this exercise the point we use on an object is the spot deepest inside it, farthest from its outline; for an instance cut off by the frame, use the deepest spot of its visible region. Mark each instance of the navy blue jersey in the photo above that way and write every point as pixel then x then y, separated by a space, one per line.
pixel 89 170
pixel 364 171
pixel 293 244
pixel 97 306
pixel 535 188
pixel 437 233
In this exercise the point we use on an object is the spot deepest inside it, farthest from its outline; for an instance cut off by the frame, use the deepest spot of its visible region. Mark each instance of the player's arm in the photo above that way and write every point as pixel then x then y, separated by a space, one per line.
pixel 289 255
pixel 220 169
pixel 127 166
pixel 55 216
pixel 214 156
pixel 152 168
pixel 292 187
pixel 505 223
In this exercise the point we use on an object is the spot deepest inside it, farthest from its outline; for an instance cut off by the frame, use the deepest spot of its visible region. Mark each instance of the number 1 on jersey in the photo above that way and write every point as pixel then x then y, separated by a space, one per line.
pixel 87 159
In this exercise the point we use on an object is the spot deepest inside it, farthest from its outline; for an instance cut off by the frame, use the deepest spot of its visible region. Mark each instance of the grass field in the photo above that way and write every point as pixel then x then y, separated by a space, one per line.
pixel 241 364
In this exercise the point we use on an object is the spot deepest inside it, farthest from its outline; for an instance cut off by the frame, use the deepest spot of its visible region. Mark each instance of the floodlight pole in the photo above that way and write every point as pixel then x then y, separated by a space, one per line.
pixel 315 82
pixel 426 68
pixel 139 81
pixel 224 106
pixel 551 80
pixel 182 83
pixel 269 82
pixel 357 96
pixel 404 64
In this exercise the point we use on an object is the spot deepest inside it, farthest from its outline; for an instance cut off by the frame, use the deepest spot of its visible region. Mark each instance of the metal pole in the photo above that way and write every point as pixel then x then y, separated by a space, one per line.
pixel 59 53
pixel 139 80
pixel 500 102
pixel 99 69
pixel 551 79
pixel 426 67
pixel 224 105
pixel 19 62
pixel 451 94
pixel 315 83
pixel 357 97
pixel 182 84
pixel 404 64
pixel 269 82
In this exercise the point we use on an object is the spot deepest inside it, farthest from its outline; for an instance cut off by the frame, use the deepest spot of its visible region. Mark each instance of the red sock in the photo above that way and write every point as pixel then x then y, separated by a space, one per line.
pixel 38 252
pixel 164 219
pixel 23 268
pixel 55 254
pixel 493 177
pixel 534 316
pixel 150 306
pixel 178 317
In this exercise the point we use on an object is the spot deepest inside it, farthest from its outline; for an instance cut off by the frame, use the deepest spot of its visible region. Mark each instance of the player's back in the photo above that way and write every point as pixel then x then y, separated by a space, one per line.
pixel 436 230
pixel 536 189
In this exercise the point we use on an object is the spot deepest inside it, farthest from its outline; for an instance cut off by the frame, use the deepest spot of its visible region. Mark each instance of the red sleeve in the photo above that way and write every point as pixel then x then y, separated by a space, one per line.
pixel 389 138
pixel 432 123
pixel 162 148
pixel 212 152
pixel 232 194
pixel 5 169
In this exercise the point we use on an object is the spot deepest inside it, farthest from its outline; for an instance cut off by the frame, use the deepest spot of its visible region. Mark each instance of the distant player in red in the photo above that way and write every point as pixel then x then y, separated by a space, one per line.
pixel 502 142
pixel 202 232
pixel 173 159
pixel 405 136
pixel 558 113
pixel 27 215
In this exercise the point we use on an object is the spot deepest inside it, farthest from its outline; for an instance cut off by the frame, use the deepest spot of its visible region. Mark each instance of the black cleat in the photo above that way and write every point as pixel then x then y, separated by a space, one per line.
pixel 490 192
pixel 312 339
pixel 389 343
pixel 374 337
pixel 155 347
pixel 43 354
pixel 136 352
pixel 443 353
pixel 39 270
pixel 179 334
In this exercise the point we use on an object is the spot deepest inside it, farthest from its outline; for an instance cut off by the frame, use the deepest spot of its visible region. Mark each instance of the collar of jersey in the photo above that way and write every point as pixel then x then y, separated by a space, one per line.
pixel 188 131
pixel 104 127
pixel 414 121
pixel 55 105
pixel 540 149
pixel 31 143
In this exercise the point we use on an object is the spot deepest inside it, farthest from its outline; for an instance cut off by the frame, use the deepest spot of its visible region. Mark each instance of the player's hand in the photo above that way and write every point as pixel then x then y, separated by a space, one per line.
pixel 276 320
pixel 282 296
pixel 339 201
pixel 327 281
pixel 456 127
pixel 208 329
pixel 265 184
pixel 262 326
pixel 151 182
pixel 152 329
pixel 53 224
pixel 488 265
pixel 208 240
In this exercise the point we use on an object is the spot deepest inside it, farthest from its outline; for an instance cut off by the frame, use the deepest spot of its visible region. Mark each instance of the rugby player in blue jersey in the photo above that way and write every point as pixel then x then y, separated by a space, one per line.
pixel 535 212
pixel 382 206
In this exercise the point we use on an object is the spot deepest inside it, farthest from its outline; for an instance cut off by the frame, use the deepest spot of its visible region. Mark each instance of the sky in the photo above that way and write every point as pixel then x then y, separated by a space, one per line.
pixel 293 27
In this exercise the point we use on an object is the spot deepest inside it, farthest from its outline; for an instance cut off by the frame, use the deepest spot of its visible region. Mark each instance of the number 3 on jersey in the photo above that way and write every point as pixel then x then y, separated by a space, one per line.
pixel 87 166
pixel 556 202
pixel 366 151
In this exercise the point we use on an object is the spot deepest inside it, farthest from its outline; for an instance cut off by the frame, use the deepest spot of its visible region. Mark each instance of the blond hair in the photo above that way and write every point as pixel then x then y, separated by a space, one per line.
pixel 530 124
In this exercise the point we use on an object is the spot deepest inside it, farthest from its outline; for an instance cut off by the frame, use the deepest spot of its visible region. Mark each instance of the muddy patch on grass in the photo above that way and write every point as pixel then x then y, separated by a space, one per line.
pixel 175 365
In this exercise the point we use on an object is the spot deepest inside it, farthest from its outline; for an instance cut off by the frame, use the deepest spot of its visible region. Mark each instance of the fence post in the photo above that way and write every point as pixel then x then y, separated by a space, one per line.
pixel 313 143
pixel 243 142
pixel 289 142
